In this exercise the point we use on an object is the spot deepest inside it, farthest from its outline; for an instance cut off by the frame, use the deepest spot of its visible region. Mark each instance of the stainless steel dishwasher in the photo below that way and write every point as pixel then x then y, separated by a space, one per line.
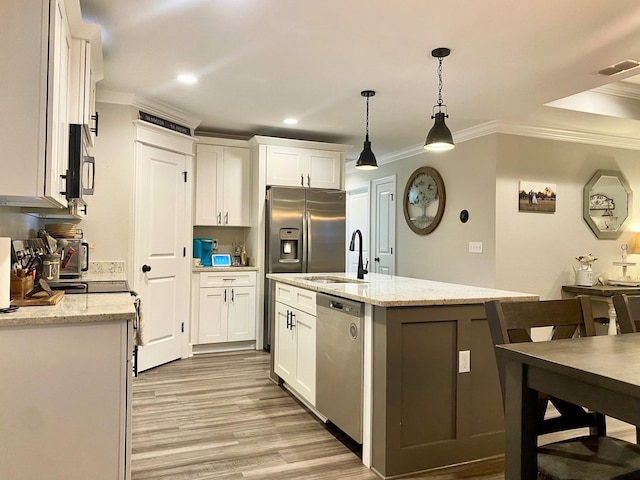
pixel 339 362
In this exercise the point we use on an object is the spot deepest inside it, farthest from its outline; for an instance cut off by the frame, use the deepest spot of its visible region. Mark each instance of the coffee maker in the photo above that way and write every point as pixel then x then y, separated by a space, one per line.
pixel 202 250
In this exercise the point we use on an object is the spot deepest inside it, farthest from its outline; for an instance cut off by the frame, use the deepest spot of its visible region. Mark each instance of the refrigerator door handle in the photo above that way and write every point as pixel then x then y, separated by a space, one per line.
pixel 306 252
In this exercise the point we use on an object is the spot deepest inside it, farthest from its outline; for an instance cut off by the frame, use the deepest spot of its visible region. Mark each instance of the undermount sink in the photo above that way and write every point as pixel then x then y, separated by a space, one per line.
pixel 333 280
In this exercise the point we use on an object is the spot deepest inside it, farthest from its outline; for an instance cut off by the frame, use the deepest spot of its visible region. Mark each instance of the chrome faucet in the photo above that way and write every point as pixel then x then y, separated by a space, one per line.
pixel 361 270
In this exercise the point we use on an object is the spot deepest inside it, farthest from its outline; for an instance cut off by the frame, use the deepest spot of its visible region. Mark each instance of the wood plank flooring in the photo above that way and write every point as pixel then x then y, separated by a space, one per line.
pixel 220 417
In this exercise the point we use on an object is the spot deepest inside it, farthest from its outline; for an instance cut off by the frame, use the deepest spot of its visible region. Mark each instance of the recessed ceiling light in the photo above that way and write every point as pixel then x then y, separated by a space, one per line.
pixel 290 121
pixel 187 79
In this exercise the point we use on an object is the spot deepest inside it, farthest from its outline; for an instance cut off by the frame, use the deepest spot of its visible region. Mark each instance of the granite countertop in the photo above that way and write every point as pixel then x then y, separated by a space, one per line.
pixel 224 269
pixel 74 308
pixel 394 291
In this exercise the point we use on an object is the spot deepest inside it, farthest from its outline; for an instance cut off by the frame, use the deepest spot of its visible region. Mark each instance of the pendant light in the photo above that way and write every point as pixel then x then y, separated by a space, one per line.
pixel 367 160
pixel 439 137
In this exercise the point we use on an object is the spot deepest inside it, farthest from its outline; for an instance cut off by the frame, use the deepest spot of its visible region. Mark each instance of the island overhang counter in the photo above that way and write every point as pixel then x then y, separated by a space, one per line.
pixel 421 408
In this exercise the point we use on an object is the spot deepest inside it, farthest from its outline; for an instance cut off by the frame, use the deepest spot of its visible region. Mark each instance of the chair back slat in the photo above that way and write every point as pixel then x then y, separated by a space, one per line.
pixel 627 312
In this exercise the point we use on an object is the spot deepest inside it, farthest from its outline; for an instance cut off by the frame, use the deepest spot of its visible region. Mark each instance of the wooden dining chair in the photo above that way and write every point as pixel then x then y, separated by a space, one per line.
pixel 592 456
pixel 627 312
pixel 628 317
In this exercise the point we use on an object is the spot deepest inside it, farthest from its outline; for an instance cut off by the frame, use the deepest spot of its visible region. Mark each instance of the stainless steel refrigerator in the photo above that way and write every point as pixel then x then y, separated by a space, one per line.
pixel 305 232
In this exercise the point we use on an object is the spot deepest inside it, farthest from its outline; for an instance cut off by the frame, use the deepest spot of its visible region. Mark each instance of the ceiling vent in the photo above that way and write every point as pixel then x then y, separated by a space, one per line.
pixel 623 66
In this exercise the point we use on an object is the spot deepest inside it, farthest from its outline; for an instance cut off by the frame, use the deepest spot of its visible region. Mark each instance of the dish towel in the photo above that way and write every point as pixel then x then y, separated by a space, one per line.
pixel 138 324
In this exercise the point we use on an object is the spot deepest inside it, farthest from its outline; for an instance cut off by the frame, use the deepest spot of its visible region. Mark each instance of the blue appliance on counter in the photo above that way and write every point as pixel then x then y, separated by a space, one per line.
pixel 202 249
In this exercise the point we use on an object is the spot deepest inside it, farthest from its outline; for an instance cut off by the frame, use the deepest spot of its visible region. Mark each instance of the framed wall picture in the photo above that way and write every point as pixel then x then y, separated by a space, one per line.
pixel 539 197
pixel 424 200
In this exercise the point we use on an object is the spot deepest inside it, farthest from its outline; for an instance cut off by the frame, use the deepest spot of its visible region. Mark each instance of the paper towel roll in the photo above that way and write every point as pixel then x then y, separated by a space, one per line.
pixel 5 272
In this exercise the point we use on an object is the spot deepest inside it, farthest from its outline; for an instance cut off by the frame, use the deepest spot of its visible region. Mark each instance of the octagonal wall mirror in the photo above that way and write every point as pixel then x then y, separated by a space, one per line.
pixel 606 204
pixel 424 200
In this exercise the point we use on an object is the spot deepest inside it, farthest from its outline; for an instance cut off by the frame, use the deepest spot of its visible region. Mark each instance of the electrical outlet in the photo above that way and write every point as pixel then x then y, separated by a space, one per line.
pixel 475 247
pixel 464 361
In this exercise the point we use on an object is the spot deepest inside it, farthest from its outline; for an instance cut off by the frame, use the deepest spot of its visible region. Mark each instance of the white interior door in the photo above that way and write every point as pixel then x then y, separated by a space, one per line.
pixel 159 245
pixel 384 225
pixel 357 219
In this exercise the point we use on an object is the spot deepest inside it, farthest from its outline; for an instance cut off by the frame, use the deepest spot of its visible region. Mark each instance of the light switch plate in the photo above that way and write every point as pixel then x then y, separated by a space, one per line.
pixel 475 247
pixel 464 361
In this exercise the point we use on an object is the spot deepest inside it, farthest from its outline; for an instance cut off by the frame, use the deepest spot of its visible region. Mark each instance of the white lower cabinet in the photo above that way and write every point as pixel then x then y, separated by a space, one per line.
pixel 226 307
pixel 65 406
pixel 295 345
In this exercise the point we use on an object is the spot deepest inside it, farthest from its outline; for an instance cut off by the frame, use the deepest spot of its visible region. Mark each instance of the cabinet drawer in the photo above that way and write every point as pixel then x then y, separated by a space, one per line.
pixel 300 298
pixel 223 279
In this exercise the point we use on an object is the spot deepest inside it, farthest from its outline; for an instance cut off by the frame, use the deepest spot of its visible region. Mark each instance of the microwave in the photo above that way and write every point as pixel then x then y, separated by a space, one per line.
pixel 81 173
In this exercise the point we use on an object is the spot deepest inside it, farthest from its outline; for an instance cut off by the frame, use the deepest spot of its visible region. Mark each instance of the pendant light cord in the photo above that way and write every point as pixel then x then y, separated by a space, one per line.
pixel 367 128
pixel 440 84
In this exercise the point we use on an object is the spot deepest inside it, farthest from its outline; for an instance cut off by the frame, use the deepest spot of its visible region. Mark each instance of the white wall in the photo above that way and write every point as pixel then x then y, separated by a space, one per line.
pixel 468 173
pixel 536 252
pixel 109 222
pixel 15 224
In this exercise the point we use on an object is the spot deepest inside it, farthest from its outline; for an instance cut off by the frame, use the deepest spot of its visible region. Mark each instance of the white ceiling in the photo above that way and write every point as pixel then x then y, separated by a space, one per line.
pixel 260 61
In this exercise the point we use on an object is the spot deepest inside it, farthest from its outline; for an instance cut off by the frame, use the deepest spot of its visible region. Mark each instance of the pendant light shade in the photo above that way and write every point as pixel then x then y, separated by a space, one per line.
pixel 367 160
pixel 439 137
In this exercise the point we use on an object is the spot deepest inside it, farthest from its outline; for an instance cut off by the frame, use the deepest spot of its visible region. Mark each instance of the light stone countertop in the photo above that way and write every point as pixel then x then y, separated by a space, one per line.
pixel 394 291
pixel 74 308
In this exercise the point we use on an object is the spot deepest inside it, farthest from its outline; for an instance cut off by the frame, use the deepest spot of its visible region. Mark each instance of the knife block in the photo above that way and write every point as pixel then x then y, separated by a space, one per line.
pixel 20 286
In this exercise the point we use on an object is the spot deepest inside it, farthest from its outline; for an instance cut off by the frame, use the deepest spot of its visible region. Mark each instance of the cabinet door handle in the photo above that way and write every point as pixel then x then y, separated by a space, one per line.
pixel 96 118
pixel 288 319
pixel 308 180
pixel 226 218
pixel 233 297
pixel 219 218
pixel 302 180
pixel 293 315
pixel 225 295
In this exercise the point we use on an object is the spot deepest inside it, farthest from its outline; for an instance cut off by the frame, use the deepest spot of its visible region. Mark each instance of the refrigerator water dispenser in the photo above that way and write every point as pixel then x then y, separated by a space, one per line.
pixel 289 245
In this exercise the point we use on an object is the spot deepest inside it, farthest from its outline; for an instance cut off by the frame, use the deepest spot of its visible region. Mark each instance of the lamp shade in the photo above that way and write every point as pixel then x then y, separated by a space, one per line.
pixel 367 160
pixel 634 243
pixel 439 137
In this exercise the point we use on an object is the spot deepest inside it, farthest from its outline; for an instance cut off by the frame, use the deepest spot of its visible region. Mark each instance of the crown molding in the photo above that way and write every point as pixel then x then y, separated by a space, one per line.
pixel 620 89
pixel 589 138
pixel 493 127
pixel 148 105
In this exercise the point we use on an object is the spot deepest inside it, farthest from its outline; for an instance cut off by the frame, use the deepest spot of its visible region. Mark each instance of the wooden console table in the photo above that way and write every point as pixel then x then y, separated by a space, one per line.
pixel 603 293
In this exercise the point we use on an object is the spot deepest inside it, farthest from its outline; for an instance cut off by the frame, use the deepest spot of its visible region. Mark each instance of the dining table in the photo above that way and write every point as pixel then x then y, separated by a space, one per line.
pixel 601 373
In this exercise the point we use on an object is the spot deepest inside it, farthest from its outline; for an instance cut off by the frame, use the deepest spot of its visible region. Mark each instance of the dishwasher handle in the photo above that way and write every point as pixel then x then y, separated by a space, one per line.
pixel 336 305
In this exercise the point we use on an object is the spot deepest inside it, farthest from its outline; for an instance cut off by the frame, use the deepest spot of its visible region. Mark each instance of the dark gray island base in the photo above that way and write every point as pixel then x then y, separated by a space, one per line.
pixel 423 407
pixel 425 413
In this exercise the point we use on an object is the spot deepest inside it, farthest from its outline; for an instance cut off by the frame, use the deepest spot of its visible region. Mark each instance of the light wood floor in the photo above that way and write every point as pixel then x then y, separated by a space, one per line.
pixel 219 417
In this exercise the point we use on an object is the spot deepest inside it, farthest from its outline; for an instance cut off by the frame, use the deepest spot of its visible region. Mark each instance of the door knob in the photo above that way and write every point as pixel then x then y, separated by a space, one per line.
pixel 146 268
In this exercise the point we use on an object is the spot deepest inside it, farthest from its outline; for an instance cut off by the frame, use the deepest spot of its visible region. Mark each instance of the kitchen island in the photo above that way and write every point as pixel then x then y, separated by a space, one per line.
pixel 431 394
pixel 66 389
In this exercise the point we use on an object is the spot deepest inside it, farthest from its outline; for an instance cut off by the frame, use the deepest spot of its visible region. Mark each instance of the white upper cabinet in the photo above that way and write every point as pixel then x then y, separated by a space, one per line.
pixel 223 182
pixel 35 79
pixel 82 84
pixel 302 167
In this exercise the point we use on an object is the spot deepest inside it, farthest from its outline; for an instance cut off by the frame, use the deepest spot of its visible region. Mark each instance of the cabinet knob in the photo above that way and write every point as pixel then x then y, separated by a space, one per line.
pixel 146 268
